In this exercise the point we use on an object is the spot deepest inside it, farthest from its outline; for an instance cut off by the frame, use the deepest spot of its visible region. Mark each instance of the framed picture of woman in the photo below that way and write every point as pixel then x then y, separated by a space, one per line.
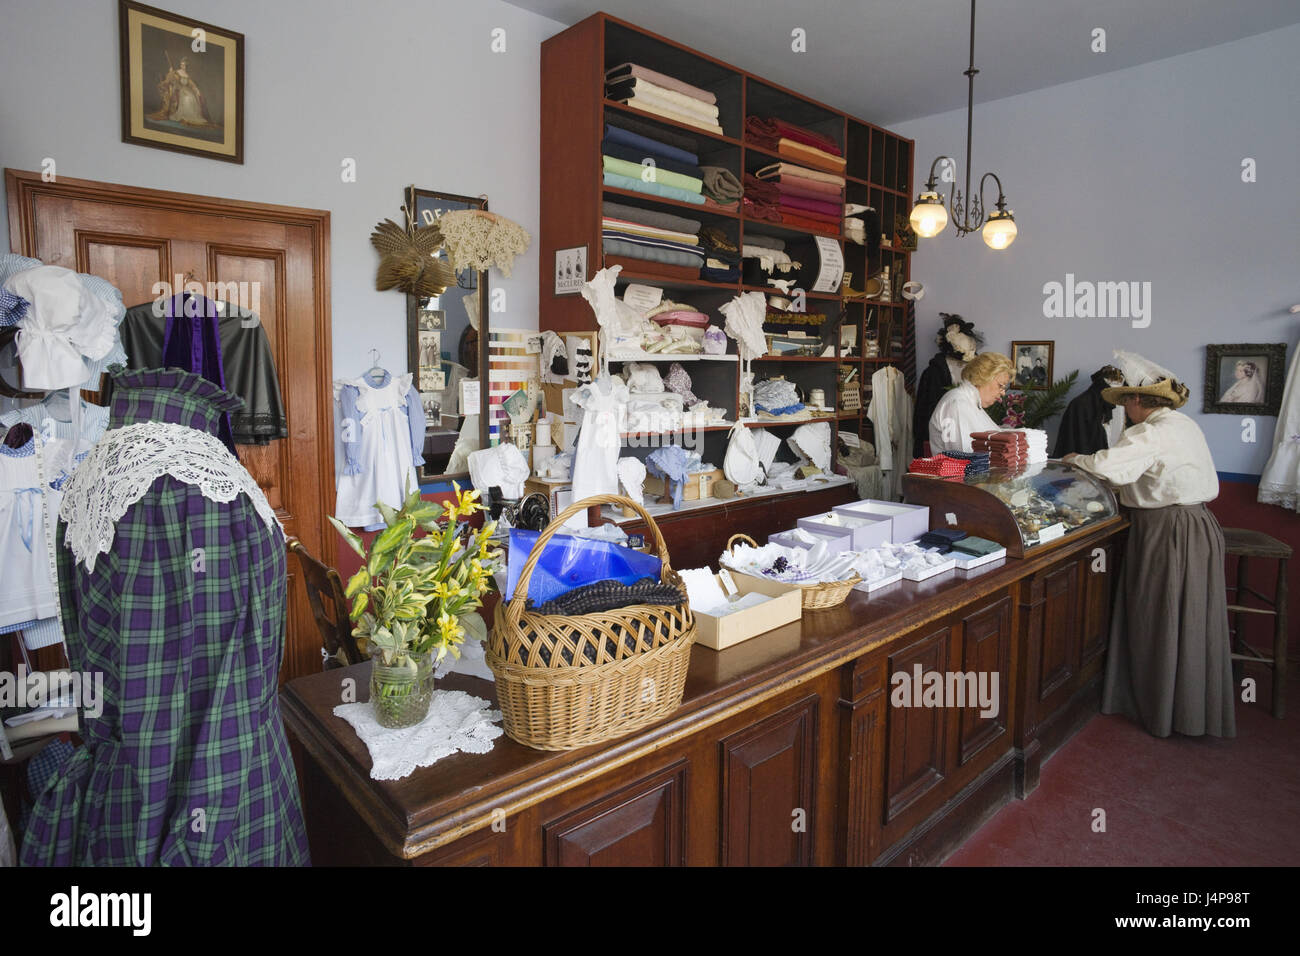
pixel 1244 379
pixel 1033 363
pixel 182 83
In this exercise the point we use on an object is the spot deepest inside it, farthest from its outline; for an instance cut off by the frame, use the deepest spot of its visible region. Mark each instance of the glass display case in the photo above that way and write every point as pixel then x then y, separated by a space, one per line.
pixel 1022 509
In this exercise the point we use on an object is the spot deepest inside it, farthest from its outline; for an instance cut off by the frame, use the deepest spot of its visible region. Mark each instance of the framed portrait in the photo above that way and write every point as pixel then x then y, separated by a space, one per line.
pixel 182 83
pixel 430 345
pixel 432 319
pixel 432 380
pixel 1244 379
pixel 1033 364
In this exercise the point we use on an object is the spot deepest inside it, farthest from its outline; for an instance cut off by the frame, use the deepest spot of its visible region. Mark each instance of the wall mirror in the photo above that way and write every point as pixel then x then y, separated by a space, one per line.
pixel 446 348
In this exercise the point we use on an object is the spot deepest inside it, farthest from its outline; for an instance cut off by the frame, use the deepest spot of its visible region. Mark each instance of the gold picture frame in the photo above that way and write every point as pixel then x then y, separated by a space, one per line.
pixel 182 83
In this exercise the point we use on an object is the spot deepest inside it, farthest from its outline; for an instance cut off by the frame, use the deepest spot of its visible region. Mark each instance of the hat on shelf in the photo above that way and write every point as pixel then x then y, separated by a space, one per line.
pixel 1144 377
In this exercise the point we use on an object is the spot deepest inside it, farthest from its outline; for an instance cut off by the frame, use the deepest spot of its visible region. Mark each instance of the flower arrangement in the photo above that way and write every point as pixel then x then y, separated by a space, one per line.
pixel 416 595
pixel 1013 410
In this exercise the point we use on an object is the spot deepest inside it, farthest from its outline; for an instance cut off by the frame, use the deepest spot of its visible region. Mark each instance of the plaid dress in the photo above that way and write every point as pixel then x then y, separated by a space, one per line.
pixel 188 764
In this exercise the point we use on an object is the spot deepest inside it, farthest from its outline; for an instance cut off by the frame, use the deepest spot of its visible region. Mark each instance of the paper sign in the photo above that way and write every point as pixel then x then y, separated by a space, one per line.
pixel 469 396
pixel 643 298
pixel 831 271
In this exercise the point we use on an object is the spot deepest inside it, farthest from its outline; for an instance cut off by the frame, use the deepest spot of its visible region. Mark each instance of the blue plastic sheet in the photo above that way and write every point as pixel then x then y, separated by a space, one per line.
pixel 569 562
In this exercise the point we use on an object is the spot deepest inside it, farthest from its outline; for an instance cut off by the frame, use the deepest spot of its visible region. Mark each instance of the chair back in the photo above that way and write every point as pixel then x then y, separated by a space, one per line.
pixel 330 609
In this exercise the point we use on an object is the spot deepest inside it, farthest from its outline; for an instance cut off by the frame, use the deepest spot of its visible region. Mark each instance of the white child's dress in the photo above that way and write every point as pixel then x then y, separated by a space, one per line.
pixel 380 466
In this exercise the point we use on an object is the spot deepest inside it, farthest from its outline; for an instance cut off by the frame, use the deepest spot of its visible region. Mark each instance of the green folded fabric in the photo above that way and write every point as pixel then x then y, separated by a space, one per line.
pixel 653 174
pixel 976 546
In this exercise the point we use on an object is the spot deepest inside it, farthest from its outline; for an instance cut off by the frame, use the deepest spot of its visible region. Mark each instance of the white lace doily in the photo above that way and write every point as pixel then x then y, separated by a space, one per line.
pixel 457 722
pixel 126 461
pixel 478 240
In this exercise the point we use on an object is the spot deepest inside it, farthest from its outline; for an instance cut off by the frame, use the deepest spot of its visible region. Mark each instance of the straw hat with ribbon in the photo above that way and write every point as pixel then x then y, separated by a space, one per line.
pixel 1144 377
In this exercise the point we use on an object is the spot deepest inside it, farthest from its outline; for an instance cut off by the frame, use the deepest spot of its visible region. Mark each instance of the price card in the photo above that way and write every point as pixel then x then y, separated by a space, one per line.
pixel 831 271
pixel 1051 532
pixel 469 395
pixel 728 582
pixel 643 298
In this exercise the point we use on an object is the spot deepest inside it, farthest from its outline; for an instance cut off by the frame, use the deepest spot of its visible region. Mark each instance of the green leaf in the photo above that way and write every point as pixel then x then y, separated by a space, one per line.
pixel 359 605
pixel 388 512
pixel 392 536
pixel 358 581
pixel 353 539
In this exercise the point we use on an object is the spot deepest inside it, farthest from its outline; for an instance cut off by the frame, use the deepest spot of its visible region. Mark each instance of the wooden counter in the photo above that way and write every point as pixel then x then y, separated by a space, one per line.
pixel 784 751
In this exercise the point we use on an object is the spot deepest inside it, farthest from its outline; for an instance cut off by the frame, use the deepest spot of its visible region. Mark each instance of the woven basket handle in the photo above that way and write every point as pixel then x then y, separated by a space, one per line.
pixel 743 538
pixel 520 596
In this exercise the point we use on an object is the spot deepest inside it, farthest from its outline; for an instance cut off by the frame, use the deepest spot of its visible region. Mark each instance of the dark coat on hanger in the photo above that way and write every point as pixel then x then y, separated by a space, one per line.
pixel 935 380
pixel 1083 425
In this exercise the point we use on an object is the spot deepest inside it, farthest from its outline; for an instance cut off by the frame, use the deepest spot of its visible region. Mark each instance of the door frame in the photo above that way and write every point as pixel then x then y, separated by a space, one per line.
pixel 23 188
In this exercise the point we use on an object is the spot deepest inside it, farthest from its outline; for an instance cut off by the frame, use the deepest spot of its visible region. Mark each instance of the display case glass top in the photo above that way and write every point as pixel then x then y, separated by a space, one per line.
pixel 1049 500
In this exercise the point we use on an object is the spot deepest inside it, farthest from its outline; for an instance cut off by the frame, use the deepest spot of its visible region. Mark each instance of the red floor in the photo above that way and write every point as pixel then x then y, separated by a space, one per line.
pixel 1180 801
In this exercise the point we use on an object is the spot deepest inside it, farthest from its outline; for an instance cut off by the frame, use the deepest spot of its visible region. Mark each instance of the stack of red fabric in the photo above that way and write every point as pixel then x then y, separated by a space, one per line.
pixel 794 142
pixel 1007 450
pixel 940 466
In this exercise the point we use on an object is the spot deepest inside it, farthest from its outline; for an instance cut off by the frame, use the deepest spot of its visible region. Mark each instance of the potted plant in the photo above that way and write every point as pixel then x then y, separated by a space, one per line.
pixel 416 595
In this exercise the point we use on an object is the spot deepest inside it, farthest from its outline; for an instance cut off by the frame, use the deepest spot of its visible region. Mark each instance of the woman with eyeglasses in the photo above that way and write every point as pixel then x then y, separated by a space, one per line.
pixel 961 410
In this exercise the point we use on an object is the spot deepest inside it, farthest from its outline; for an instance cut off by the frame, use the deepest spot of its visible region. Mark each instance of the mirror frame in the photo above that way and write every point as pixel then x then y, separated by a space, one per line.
pixel 412 198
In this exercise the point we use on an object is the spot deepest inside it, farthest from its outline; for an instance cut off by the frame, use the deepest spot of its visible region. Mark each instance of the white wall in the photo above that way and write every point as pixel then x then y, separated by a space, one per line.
pixel 1136 175
pixel 410 89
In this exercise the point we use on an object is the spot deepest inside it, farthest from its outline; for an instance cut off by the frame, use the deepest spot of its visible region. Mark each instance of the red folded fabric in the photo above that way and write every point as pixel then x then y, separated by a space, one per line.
pixel 760 189
pixel 812 225
pixel 822 218
pixel 820 207
pixel 760 210
pixel 939 465
pixel 768 132
pixel 1008 436
pixel 813 189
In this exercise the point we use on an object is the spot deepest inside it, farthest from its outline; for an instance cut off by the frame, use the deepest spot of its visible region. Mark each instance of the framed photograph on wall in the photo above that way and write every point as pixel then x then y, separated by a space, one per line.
pixel 1033 364
pixel 182 83
pixel 1244 379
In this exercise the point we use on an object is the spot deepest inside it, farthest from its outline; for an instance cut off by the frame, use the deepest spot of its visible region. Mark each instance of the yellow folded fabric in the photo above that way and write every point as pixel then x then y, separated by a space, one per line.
pixel 811 155
pixel 674 115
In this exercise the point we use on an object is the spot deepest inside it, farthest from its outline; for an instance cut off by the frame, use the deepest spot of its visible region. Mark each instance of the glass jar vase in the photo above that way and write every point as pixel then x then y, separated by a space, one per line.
pixel 400 693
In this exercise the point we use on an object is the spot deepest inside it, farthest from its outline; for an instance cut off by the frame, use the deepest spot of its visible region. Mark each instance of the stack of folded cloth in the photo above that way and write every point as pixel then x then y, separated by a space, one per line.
pixel 640 158
pixel 764 258
pixel 721 187
pixel 722 257
pixel 1035 444
pixel 663 95
pixel 976 547
pixel 940 466
pixel 977 462
pixel 796 196
pixel 651 236
pixel 795 143
pixel 1007 450
pixel 942 540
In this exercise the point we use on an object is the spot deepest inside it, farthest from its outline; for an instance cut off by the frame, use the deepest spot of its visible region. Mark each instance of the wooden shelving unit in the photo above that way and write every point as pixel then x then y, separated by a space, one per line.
pixel 878 172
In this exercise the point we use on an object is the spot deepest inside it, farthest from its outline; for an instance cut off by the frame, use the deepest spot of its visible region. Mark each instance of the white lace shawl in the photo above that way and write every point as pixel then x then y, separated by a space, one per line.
pixel 126 461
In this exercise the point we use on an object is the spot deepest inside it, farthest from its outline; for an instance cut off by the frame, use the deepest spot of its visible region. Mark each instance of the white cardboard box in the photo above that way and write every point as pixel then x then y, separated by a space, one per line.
pixel 868 586
pixel 930 571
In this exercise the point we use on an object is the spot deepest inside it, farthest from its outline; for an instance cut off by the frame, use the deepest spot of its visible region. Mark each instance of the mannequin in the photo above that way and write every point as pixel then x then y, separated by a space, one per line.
pixel 958 341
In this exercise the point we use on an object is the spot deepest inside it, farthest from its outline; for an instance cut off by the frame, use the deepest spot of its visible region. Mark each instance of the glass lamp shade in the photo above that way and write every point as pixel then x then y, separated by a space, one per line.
pixel 1000 230
pixel 928 215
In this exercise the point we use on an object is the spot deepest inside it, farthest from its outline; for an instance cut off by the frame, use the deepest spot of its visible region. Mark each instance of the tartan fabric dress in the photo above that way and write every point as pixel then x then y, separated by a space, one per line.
pixel 183 613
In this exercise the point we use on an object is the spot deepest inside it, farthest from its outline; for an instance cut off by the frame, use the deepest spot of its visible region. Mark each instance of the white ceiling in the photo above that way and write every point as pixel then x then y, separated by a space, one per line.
pixel 891 61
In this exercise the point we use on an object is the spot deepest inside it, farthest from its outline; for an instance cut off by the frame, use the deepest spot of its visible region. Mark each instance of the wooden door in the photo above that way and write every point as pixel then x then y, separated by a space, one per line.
pixel 135 238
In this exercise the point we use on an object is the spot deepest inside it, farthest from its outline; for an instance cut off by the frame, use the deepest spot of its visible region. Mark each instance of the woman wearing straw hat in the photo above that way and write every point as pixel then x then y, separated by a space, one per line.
pixel 1170 662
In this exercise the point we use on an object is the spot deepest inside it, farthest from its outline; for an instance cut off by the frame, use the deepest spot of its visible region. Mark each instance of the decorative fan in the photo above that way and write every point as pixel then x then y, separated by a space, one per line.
pixel 406 258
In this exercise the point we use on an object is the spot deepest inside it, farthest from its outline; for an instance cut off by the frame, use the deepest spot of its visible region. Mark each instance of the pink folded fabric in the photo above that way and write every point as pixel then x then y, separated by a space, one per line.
pixel 662 79
pixel 777 170
pixel 697 320
pixel 832 210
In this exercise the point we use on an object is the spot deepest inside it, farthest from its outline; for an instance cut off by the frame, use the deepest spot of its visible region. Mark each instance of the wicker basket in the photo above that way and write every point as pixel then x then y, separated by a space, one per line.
pixel 548 704
pixel 828 594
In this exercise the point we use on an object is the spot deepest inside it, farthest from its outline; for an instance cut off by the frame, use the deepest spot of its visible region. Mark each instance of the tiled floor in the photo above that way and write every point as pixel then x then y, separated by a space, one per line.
pixel 1180 801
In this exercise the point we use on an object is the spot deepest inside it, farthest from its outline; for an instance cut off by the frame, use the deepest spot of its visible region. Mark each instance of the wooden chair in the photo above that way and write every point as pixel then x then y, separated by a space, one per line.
pixel 330 609
pixel 1255 544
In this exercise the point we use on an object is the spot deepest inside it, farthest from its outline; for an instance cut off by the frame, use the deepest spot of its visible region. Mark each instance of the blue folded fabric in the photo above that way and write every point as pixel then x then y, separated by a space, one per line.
pixel 615 181
pixel 668 257
pixel 651 146
pixel 639 240
pixel 634 155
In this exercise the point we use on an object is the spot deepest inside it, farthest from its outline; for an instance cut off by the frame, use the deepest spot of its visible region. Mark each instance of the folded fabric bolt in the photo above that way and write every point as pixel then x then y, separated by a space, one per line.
pixel 652 218
pixel 769 131
pixel 654 131
pixel 810 155
pixel 810 223
pixel 615 181
pixel 976 546
pixel 720 183
pixel 828 209
pixel 682 317
pixel 648 174
pixel 651 241
pixel 654 146
pixel 642 158
pixel 639 86
pixel 792 169
pixel 809 188
pixel 667 257
pixel 649 232
pixel 765 242
pixel 634 70
pixel 662 107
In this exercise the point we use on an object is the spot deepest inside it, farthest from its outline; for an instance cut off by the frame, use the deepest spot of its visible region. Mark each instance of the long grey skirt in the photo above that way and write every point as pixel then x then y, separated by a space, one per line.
pixel 1170 663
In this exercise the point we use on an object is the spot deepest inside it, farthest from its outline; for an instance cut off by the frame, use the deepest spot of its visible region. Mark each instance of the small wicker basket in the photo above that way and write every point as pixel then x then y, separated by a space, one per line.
pixel 827 594
pixel 549 704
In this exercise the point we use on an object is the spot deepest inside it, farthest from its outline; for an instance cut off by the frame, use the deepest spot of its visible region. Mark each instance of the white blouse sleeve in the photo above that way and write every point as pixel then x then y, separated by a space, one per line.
pixel 1127 461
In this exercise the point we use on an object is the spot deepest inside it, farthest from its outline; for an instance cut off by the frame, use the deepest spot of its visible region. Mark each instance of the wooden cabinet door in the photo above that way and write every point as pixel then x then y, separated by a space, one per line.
pixel 1061 628
pixel 915 753
pixel 768 777
pixel 135 238
pixel 985 651
pixel 641 825
pixel 1098 570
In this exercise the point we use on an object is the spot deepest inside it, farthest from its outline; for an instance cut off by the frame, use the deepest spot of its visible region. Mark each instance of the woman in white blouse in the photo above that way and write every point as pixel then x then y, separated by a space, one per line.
pixel 961 410
pixel 1170 663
